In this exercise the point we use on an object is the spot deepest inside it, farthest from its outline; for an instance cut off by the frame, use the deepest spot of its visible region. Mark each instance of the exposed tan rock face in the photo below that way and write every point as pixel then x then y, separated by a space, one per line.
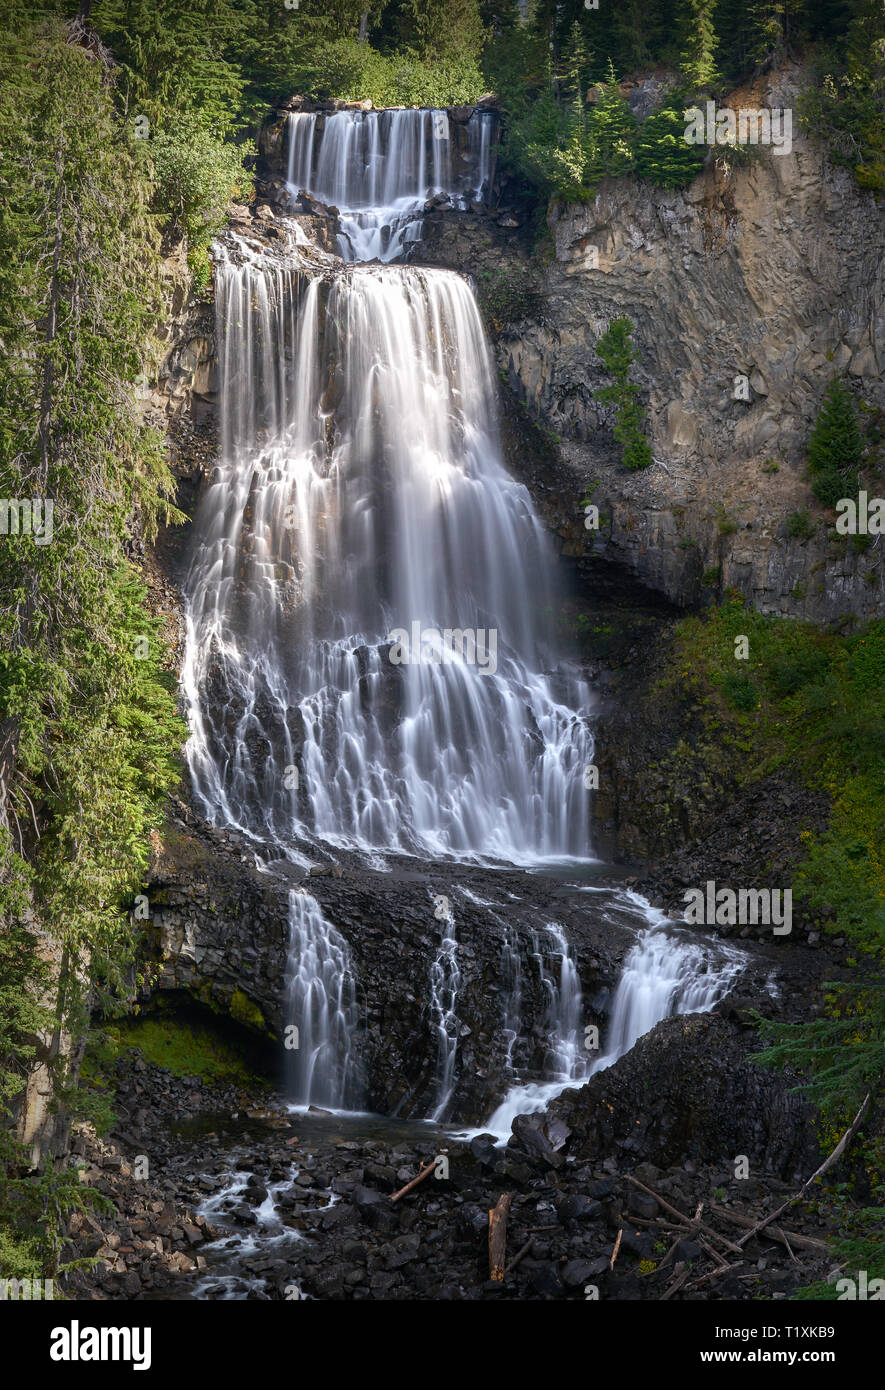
pixel 773 272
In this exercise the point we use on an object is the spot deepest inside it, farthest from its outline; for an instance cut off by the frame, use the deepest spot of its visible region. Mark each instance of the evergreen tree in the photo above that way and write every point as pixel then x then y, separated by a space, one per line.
pixel 663 155
pixel 836 446
pixel 448 30
pixel 630 34
pixel 699 43
pixel 174 63
pixel 612 129
pixel 89 736
pixel 616 352
pixel 774 30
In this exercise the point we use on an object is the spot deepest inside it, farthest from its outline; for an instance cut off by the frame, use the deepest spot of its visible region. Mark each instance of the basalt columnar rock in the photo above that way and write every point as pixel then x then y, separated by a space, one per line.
pixel 686 1092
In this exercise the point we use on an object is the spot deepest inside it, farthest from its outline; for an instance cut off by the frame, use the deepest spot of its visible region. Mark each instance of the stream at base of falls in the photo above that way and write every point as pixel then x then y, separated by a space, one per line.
pixel 270 1194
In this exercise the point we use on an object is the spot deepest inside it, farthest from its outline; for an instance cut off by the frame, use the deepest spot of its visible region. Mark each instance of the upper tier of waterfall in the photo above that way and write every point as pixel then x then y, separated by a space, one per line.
pixel 360 495
pixel 379 167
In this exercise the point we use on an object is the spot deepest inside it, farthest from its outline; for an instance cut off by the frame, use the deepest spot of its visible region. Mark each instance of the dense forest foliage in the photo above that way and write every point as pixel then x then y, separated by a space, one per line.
pixel 124 121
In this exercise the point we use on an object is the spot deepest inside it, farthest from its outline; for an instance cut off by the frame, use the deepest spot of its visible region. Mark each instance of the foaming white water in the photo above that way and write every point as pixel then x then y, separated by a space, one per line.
pixel 321 1004
pixel 379 167
pixel 445 979
pixel 361 489
pixel 666 973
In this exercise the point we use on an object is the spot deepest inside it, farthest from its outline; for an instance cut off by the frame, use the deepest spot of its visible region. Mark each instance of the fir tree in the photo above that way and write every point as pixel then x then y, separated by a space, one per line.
pixel 616 352
pixel 663 155
pixel 448 29
pixel 836 446
pixel 88 736
pixel 612 129
pixel 699 43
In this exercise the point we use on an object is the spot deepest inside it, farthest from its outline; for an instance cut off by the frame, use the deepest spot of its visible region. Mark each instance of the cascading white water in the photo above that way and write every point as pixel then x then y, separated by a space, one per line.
pixel 361 490
pixel 379 167
pixel 566 1063
pixel 445 979
pixel 565 1006
pixel 511 986
pixel 361 493
pixel 665 973
pixel 321 1005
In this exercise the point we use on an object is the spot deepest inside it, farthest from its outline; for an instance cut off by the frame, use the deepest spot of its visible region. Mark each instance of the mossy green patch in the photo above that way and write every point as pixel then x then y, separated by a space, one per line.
pixel 182 1046
pixel 245 1011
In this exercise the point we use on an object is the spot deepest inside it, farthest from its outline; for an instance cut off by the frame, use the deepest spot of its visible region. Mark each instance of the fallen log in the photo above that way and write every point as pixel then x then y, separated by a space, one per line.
pixel 714 1274
pixel 772 1232
pixel 686 1220
pixel 681 1273
pixel 837 1153
pixel 498 1236
pixel 611 1263
pixel 425 1173
pixel 711 1251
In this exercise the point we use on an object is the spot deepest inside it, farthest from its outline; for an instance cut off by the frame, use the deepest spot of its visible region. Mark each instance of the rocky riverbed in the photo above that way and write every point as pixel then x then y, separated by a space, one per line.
pixel 248 1200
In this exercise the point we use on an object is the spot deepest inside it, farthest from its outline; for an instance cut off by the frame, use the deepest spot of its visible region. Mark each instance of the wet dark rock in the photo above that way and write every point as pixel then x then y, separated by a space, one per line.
pixel 577 1272
pixel 686 1093
pixel 540 1139
pixel 484 1150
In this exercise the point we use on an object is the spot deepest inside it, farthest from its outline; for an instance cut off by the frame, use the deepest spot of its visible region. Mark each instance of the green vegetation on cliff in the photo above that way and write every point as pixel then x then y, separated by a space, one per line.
pixel 617 354
pixel 814 702
pixel 836 446
pixel 89 735
pixel 708 46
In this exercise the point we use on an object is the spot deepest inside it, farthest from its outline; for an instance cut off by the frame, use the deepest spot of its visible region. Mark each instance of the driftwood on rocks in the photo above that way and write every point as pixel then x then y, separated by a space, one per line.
pixel 614 1255
pixel 424 1173
pixel 776 1233
pixel 498 1236
pixel 828 1162
pixel 520 1254
pixel 687 1221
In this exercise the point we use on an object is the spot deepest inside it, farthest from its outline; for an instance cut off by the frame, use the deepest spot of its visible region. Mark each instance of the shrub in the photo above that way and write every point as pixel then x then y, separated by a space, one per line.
pixel 195 175
pixel 740 691
pixel 800 525
pixel 508 298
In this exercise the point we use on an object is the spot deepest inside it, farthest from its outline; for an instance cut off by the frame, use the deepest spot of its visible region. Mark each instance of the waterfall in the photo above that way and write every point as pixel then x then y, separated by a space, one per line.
pixel 665 973
pixel 371 602
pixel 566 1063
pixel 361 491
pixel 511 985
pixel 379 167
pixel 564 1010
pixel 445 979
pixel 321 1005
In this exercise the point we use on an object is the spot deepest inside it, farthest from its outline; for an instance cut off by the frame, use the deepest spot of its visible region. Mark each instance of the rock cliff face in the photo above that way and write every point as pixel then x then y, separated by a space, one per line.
pixel 773 272
pixel 219 935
